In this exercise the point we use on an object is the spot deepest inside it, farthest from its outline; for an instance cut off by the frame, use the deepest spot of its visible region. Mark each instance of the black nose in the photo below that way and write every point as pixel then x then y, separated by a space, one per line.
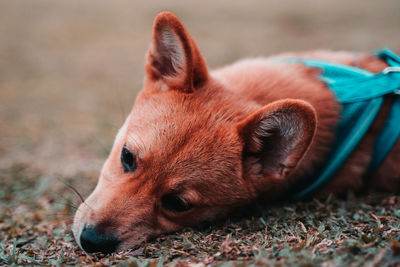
pixel 93 241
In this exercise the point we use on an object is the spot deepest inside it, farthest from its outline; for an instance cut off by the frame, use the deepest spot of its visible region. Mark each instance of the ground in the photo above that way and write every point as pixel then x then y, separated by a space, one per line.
pixel 69 73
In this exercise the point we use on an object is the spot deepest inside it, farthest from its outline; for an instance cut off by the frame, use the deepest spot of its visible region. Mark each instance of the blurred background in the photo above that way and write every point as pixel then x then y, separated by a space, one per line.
pixel 70 70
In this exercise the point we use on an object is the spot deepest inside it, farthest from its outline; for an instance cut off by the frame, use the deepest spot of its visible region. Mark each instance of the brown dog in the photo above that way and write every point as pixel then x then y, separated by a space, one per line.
pixel 198 144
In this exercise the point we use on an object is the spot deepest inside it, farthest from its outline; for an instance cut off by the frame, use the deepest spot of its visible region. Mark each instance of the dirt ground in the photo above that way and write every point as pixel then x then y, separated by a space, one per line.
pixel 69 72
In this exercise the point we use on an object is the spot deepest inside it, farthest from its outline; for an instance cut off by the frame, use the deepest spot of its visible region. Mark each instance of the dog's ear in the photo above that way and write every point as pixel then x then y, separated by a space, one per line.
pixel 277 136
pixel 173 60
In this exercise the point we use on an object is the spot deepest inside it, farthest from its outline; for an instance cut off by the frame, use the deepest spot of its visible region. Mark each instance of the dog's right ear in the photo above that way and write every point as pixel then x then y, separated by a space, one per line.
pixel 173 60
pixel 277 136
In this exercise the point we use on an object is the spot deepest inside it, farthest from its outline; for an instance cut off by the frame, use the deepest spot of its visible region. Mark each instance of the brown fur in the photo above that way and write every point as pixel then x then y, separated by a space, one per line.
pixel 221 139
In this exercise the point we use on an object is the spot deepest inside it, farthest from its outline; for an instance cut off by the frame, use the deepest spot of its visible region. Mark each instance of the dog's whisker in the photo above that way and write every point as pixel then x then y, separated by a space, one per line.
pixel 66 204
pixel 74 190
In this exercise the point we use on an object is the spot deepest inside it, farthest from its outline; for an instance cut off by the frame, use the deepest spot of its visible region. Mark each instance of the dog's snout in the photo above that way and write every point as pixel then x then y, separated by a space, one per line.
pixel 94 241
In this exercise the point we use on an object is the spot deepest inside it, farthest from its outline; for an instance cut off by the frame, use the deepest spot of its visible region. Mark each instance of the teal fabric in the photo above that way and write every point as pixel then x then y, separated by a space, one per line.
pixel 361 94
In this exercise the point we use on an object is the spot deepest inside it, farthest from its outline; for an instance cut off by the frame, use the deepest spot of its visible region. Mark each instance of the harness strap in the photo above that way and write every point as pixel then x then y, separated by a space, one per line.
pixel 361 94
pixel 387 137
pixel 346 143
pixel 343 79
pixel 390 133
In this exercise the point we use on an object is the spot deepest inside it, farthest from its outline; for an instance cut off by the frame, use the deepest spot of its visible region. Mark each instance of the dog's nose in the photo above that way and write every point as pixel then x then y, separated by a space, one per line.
pixel 93 241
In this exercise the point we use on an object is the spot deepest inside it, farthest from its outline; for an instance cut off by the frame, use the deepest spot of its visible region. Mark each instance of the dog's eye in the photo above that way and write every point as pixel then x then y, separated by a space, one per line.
pixel 175 203
pixel 128 160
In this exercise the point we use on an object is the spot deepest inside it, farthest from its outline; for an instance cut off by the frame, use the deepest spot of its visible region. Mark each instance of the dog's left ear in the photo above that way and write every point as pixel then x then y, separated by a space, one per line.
pixel 173 60
pixel 277 136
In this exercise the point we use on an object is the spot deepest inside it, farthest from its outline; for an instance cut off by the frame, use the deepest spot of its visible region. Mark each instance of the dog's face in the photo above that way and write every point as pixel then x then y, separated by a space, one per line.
pixel 189 151
pixel 166 170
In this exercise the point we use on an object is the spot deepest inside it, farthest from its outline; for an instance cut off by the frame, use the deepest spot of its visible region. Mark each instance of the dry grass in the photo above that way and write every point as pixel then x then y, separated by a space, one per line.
pixel 37 213
pixel 69 72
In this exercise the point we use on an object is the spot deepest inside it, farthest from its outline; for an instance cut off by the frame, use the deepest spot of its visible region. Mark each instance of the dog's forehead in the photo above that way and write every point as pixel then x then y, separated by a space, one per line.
pixel 172 132
pixel 165 134
pixel 155 120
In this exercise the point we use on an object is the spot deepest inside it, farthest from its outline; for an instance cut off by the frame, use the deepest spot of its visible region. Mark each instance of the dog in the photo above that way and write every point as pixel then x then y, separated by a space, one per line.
pixel 198 143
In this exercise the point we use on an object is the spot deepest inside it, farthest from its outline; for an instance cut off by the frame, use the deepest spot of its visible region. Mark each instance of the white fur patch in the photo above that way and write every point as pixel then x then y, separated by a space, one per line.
pixel 122 130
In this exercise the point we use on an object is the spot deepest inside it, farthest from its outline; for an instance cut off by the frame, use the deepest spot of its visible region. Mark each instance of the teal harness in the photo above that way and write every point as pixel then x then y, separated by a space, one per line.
pixel 360 93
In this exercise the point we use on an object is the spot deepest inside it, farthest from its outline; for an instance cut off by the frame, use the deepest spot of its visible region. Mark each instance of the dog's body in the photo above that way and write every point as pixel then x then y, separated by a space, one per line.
pixel 198 144
pixel 295 81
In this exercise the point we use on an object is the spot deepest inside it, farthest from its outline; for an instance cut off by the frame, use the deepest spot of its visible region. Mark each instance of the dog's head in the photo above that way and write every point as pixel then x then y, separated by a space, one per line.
pixel 189 151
